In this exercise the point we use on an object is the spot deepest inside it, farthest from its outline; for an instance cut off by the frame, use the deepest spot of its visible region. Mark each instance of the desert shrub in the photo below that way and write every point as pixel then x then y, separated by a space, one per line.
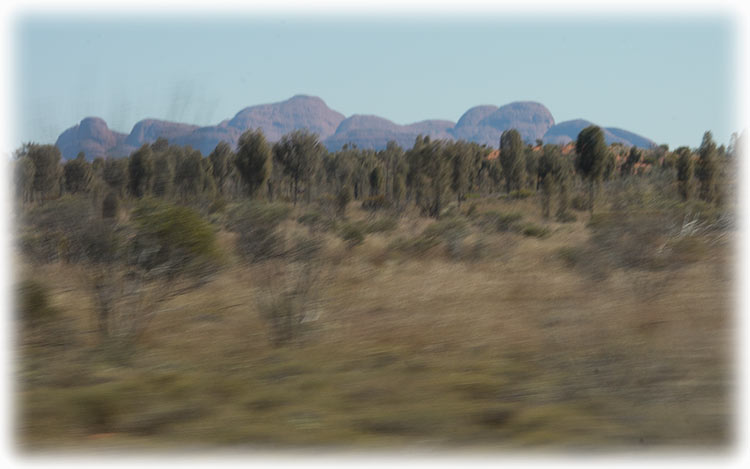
pixel 343 197
pixel 472 210
pixel 110 205
pixel 67 229
pixel 566 217
pixel 536 231
pixel 446 229
pixel 451 232
pixel 172 238
pixel 257 227
pixel 414 246
pixel 327 206
pixel 218 205
pixel 687 249
pixel 580 202
pixel 498 221
pixel 352 233
pixel 287 297
pixel 166 244
pixel 475 250
pixel 520 194
pixel 381 225
pixel 631 239
pixel 310 219
pixel 40 247
pixel 32 302
pixel 376 202
pixel 305 249
pixel 98 408
pixel 572 256
pixel 316 220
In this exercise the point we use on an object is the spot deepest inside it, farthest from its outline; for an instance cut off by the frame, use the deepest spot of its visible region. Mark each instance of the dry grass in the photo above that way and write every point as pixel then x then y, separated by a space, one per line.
pixel 509 350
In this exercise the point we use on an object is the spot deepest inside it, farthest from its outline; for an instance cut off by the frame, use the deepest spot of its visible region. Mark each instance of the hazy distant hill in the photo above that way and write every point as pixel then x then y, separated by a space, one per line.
pixel 375 132
pixel 482 124
pixel 485 124
pixel 91 136
pixel 568 131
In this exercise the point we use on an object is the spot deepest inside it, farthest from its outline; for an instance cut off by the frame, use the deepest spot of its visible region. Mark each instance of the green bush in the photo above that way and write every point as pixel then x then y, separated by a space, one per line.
pixel 352 233
pixel 172 236
pixel 32 299
pixel 535 231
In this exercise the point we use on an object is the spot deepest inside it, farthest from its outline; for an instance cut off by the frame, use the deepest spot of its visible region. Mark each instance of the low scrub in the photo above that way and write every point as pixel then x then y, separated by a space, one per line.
pixel 257 226
pixel 376 202
pixel 32 302
pixel 352 233
pixel 495 221
pixel 535 231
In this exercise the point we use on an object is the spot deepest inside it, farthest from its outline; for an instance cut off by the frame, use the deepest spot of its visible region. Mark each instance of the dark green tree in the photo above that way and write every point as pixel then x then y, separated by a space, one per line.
pixel 23 175
pixel 115 174
pixel 141 171
pixel 463 168
pixel 429 176
pixel 634 157
pixel 685 170
pixel 253 161
pixel 707 169
pixel 531 165
pixel 163 182
pixel 549 161
pixel 189 175
pixel 512 159
pixel 548 188
pixel 47 170
pixel 592 154
pixel 376 181
pixel 77 175
pixel 222 159
pixel 299 153
pixel 160 145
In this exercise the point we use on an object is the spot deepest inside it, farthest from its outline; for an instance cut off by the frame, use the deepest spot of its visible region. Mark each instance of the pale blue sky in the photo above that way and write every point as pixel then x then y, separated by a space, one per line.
pixel 669 80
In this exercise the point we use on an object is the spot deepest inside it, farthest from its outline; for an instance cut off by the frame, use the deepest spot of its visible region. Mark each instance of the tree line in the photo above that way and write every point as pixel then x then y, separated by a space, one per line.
pixel 299 169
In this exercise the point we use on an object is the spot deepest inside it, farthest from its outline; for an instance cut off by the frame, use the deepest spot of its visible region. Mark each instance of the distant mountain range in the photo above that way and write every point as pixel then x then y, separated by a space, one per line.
pixel 481 124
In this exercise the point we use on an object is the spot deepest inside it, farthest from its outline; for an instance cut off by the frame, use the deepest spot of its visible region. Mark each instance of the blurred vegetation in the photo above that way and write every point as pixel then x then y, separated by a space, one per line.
pixel 288 296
